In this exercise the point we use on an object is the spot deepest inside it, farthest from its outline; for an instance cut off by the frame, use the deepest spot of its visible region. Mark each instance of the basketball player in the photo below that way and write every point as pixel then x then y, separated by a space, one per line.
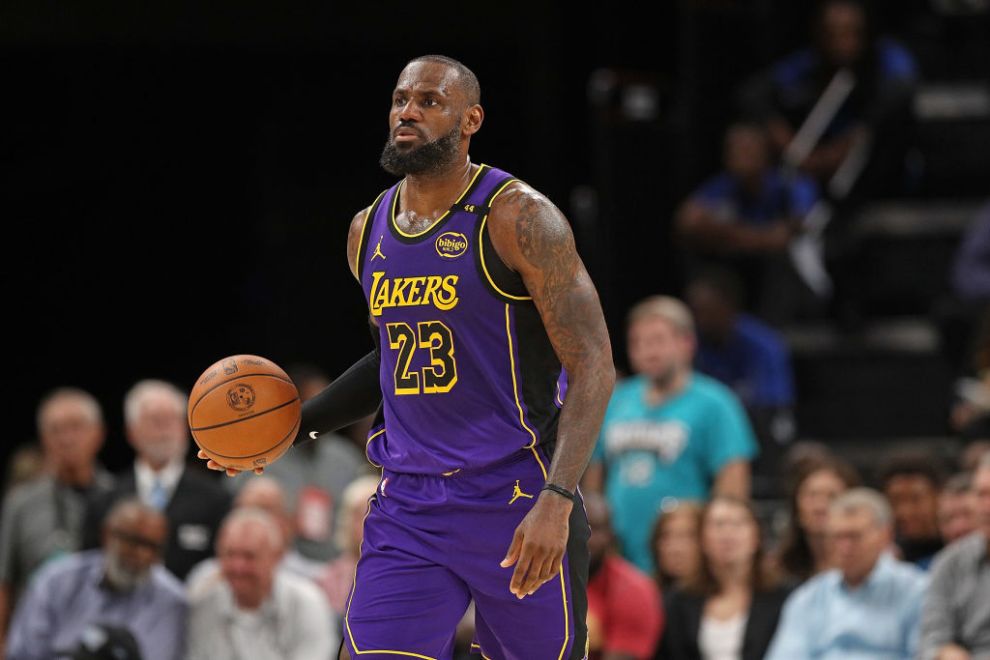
pixel 478 299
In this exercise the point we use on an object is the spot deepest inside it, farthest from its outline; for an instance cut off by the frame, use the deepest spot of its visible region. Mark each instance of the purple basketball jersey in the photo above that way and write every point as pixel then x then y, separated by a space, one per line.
pixel 468 374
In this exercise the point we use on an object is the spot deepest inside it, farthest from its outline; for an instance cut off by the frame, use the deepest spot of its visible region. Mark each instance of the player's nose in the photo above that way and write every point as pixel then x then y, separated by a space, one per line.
pixel 409 111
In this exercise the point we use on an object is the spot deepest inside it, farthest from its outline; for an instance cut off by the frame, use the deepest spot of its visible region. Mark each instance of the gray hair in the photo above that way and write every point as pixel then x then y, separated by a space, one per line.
pixel 671 310
pixel 143 390
pixel 250 514
pixel 88 401
pixel 864 499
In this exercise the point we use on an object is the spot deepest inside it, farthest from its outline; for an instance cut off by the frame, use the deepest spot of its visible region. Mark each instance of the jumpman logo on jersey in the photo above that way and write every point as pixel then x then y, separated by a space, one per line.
pixel 378 249
pixel 517 493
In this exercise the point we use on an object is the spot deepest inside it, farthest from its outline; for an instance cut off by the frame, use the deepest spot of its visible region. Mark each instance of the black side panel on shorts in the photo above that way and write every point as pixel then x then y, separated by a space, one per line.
pixel 578 561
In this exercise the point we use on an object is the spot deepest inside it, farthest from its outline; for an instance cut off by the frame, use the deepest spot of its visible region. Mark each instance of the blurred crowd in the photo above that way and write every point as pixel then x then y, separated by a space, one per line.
pixel 166 560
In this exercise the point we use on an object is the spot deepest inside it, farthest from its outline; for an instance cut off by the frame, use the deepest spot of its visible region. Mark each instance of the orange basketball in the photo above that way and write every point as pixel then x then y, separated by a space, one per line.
pixel 244 412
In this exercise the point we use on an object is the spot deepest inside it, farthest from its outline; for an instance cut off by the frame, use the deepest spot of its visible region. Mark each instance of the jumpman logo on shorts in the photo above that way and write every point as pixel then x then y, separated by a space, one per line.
pixel 378 249
pixel 517 493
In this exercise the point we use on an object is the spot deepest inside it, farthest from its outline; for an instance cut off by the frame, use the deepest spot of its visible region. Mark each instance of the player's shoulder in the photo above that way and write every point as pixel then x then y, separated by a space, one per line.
pixel 525 225
pixel 518 198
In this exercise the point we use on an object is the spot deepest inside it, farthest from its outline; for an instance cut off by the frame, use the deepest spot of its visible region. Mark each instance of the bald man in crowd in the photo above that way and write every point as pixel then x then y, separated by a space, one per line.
pixel 123 584
pixel 258 611
pixel 43 518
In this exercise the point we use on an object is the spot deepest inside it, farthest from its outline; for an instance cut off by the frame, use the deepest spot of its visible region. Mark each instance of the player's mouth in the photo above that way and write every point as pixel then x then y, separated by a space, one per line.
pixel 405 134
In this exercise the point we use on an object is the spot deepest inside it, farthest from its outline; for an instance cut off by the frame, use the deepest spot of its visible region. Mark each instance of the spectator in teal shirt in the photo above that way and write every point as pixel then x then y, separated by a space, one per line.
pixel 669 433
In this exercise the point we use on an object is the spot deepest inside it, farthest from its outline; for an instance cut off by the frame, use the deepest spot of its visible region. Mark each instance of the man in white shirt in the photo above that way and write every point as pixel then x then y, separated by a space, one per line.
pixel 194 503
pixel 258 612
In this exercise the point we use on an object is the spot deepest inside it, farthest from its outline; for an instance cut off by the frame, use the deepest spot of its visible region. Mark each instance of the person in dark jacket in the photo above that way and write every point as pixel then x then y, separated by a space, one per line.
pixel 730 608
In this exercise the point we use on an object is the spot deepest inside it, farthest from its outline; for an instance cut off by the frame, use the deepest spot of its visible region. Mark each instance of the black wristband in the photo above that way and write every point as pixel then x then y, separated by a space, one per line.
pixel 563 492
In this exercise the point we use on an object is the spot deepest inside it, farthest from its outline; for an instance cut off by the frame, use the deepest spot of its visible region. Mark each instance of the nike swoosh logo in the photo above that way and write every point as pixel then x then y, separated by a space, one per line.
pixel 313 434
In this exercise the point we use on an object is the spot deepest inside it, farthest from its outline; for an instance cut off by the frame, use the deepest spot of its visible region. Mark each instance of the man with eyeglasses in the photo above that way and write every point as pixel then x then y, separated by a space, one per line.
pixel 869 606
pixel 122 584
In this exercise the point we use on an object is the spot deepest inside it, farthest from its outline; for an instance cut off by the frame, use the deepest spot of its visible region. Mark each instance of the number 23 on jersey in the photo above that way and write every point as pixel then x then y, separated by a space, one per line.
pixel 433 336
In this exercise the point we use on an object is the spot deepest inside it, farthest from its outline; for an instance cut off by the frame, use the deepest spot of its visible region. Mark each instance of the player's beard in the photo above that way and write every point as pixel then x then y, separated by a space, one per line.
pixel 428 158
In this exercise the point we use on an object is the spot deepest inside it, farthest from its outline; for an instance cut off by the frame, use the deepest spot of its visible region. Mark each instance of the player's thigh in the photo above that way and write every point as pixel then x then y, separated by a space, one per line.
pixel 402 603
pixel 550 623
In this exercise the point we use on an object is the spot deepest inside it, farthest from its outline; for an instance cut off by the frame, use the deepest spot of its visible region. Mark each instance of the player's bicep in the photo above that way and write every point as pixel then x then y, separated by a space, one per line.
pixel 534 239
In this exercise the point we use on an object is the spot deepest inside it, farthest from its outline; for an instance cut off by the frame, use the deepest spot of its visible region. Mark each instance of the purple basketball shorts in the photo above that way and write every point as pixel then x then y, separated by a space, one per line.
pixel 434 543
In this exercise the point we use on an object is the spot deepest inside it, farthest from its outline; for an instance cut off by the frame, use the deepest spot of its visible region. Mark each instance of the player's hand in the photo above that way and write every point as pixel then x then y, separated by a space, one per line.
pixel 213 465
pixel 538 544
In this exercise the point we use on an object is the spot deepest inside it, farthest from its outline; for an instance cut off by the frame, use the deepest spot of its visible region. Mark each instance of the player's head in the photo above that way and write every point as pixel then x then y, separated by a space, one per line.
pixel 660 338
pixel 134 536
pixel 434 112
pixel 249 547
pixel 155 415
pixel 746 150
pixel 70 426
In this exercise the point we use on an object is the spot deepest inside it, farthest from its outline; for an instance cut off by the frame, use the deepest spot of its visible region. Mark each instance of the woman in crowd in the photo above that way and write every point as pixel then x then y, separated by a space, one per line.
pixel 802 552
pixel 674 544
pixel 729 609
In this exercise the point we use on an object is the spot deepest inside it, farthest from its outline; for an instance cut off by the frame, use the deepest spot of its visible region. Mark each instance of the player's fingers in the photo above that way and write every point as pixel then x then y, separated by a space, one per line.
pixel 513 553
pixel 260 470
pixel 201 454
pixel 519 584
pixel 213 465
pixel 541 576
pixel 232 472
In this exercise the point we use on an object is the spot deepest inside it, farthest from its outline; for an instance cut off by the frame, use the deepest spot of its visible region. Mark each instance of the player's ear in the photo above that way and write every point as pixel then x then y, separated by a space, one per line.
pixel 472 119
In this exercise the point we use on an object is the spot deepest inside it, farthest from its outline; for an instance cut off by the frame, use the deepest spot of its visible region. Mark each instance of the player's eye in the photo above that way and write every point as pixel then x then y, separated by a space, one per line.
pixel 429 102
pixel 399 101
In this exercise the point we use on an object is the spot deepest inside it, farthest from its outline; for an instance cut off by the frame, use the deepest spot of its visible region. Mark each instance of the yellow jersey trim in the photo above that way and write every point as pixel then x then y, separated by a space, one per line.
pixel 368 442
pixel 364 227
pixel 560 571
pixel 515 384
pixel 481 247
pixel 395 200
pixel 347 612
pixel 475 645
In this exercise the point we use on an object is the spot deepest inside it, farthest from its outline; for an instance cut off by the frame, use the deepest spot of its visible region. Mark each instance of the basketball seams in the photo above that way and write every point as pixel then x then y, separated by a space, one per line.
pixel 243 419
pixel 202 396
pixel 291 434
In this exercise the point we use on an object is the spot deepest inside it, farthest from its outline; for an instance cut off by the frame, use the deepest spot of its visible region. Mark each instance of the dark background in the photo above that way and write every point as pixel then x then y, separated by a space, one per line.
pixel 178 178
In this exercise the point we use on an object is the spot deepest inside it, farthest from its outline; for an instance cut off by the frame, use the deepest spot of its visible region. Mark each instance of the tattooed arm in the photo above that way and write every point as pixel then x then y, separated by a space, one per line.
pixel 534 239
